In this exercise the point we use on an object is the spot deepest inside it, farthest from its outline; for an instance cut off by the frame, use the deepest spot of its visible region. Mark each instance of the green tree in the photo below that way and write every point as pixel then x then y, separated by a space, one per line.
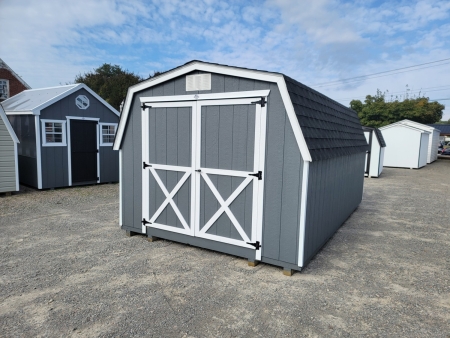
pixel 377 112
pixel 111 82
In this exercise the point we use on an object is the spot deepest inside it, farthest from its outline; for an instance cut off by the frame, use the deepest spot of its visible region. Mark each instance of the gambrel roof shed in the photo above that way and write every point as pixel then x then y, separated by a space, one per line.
pixel 239 161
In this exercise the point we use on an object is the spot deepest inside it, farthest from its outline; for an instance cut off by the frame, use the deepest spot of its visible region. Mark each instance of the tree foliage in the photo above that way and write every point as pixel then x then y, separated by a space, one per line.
pixel 111 82
pixel 377 112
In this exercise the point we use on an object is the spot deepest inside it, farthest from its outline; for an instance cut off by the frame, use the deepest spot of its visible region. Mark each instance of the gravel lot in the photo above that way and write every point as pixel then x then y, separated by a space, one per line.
pixel 67 269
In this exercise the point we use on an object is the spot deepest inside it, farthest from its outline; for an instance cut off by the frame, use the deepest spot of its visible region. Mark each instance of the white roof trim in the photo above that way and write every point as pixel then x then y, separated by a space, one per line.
pixel 220 69
pixel 418 125
pixel 70 89
pixel 397 124
pixel 8 125
pixel 3 63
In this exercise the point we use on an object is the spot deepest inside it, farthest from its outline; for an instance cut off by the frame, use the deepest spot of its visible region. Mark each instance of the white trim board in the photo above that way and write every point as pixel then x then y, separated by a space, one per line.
pixel 63 143
pixel 8 125
pixel 38 151
pixel 219 69
pixel 303 205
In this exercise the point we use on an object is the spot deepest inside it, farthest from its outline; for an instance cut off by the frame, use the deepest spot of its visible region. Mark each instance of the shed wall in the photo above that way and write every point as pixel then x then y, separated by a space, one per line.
pixel 424 151
pixel 433 146
pixel 334 191
pixel 55 159
pixel 7 160
pixel 282 174
pixel 403 147
pixel 24 127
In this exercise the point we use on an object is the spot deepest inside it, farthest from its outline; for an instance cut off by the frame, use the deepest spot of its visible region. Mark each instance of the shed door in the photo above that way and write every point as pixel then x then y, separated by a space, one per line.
pixel 200 170
pixel 230 146
pixel 168 155
pixel 84 151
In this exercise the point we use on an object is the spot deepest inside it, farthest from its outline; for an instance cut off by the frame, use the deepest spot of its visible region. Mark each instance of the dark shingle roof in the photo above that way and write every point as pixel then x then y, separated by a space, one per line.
pixel 378 134
pixel 330 129
pixel 444 128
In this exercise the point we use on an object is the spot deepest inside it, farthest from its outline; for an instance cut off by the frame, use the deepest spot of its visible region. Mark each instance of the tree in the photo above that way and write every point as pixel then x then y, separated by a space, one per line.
pixel 111 82
pixel 376 112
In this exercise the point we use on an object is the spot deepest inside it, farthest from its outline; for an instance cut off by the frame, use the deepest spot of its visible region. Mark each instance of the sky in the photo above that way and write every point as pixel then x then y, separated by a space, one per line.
pixel 320 43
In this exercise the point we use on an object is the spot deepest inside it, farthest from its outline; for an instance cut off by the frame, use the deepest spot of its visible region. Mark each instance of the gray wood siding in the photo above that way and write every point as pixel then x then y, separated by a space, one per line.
pixel 335 190
pixel 7 160
pixel 282 173
pixel 24 127
pixel 55 159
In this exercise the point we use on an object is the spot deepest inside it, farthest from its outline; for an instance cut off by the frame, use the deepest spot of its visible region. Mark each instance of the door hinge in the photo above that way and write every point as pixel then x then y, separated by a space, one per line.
pixel 145 222
pixel 98 178
pixel 258 174
pixel 144 106
pixel 145 165
pixel 97 151
pixel 198 170
pixel 262 102
pixel 257 245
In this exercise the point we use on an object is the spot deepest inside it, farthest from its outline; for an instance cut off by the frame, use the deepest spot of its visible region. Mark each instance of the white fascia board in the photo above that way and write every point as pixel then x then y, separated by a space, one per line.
pixel 228 70
pixel 8 126
pixel 404 126
pixel 24 112
pixel 303 205
pixel 417 125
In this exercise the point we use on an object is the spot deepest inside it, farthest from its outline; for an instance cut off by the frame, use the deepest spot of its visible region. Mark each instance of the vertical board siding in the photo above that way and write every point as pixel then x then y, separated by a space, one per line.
pixel 334 192
pixel 282 172
pixel 7 160
pixel 24 127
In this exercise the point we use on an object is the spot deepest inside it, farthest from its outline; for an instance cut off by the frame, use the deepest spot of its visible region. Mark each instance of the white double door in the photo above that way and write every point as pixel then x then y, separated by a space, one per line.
pixel 203 165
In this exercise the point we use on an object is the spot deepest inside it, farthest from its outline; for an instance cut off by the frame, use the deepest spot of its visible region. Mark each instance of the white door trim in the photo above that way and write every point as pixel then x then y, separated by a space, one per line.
pixel 69 142
pixel 199 97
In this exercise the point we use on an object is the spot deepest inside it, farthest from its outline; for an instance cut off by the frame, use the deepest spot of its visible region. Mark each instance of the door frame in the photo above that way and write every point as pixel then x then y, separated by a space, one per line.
pixel 69 148
pixel 196 101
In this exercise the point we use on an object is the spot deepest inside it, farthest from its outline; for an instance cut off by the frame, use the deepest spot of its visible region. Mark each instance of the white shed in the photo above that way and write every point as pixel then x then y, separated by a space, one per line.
pixel 375 154
pixel 408 146
pixel 9 172
pixel 433 138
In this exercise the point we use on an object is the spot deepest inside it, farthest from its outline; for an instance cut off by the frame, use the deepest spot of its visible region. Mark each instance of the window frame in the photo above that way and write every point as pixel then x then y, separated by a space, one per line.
pixel 63 143
pixel 7 89
pixel 107 144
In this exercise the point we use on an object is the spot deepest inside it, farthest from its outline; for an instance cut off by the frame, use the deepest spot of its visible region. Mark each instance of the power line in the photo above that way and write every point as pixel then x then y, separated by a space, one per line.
pixel 364 77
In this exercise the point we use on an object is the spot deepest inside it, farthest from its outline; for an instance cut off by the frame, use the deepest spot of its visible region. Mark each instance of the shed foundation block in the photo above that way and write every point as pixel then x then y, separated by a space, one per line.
pixel 152 238
pixel 288 272
pixel 131 233
pixel 253 263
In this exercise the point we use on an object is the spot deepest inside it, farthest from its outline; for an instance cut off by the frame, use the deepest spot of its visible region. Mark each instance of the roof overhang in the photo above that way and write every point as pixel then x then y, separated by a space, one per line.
pixel 219 69
pixel 8 125
pixel 403 125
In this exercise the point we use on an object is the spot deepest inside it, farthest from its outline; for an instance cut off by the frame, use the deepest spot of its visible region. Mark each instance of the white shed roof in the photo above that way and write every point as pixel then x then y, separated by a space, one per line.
pixel 33 100
pixel 404 125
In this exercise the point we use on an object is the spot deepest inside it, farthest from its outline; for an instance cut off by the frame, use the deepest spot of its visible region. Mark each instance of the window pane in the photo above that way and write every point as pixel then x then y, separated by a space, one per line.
pixel 58 127
pixel 57 138
pixel 49 138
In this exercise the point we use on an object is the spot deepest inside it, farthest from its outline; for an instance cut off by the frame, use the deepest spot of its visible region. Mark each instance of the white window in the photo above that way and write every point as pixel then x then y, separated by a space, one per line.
pixel 4 89
pixel 108 131
pixel 53 133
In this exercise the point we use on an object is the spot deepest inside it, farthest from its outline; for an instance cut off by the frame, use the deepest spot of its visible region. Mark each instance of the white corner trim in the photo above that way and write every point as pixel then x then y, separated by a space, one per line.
pixel 102 144
pixel 16 165
pixel 228 70
pixel 120 188
pixel 54 144
pixel 38 151
pixel 303 205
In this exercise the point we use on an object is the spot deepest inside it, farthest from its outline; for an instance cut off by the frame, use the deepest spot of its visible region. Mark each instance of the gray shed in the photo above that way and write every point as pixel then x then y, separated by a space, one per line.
pixel 375 154
pixel 66 135
pixel 241 161
pixel 9 171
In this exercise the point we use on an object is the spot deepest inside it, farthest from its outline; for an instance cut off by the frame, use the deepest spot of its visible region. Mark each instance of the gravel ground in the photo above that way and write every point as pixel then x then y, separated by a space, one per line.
pixel 67 269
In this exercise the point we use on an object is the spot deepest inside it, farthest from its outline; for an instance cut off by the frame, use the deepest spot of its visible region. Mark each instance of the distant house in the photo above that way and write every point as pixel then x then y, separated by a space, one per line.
pixel 10 83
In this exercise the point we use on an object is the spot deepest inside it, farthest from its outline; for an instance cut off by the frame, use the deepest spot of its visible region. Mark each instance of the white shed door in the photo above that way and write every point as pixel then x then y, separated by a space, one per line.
pixel 203 169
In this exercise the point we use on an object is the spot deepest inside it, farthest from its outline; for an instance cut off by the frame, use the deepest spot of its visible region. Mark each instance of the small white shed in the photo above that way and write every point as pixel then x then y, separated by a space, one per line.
pixel 375 154
pixel 9 170
pixel 408 146
pixel 433 138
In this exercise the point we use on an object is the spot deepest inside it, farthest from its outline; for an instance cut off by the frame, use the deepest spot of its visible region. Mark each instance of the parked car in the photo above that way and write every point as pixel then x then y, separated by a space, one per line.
pixel 446 152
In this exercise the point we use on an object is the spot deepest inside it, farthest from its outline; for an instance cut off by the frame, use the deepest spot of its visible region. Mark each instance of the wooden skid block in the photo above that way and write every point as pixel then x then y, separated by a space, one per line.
pixel 152 238
pixel 288 272
pixel 253 263
pixel 131 233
